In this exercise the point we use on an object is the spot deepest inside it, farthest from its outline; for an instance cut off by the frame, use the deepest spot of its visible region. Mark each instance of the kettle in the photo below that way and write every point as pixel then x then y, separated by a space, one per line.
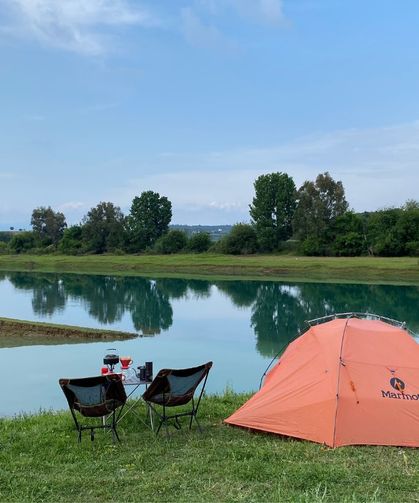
pixel 111 359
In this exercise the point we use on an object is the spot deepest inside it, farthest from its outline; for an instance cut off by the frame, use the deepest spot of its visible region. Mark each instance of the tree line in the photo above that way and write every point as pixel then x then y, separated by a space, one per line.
pixel 313 220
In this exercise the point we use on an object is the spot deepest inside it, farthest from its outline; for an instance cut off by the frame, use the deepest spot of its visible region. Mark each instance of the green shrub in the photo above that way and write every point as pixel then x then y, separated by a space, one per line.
pixel 3 248
pixel 412 248
pixel 389 246
pixel 351 244
pixel 312 247
pixel 72 241
pixel 172 242
pixel 242 240
pixel 6 236
pixel 200 242
pixel 22 242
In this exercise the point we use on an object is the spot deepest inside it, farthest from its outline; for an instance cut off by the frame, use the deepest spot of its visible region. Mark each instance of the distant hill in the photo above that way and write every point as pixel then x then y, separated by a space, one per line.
pixel 215 231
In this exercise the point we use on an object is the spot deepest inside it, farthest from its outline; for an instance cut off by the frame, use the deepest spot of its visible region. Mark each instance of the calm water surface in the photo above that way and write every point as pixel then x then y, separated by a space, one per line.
pixel 240 325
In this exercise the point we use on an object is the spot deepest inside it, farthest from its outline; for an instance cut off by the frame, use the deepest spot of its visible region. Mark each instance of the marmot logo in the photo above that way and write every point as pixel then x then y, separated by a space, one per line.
pixel 397 384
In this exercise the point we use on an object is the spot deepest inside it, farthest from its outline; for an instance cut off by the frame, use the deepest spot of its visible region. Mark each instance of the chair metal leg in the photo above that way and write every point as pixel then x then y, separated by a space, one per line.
pixel 176 424
pixel 193 412
pixel 197 422
pixel 166 424
pixel 158 428
pixel 113 427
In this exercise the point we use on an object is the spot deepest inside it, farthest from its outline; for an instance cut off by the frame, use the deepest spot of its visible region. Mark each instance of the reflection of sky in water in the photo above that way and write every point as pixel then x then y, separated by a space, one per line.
pixel 202 329
pixel 230 345
pixel 238 325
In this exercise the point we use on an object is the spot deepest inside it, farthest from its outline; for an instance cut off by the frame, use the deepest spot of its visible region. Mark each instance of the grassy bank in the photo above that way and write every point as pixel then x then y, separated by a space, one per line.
pixel 24 333
pixel 358 269
pixel 40 460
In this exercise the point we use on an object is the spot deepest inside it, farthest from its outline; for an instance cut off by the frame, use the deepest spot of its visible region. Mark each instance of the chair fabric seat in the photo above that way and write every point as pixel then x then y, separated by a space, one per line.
pixel 96 396
pixel 174 387
pixel 170 400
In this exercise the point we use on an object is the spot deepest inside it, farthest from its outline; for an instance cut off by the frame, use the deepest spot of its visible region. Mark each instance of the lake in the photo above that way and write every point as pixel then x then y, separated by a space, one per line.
pixel 239 325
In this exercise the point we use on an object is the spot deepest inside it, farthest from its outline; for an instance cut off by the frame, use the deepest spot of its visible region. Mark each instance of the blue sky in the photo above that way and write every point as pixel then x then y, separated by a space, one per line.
pixel 103 99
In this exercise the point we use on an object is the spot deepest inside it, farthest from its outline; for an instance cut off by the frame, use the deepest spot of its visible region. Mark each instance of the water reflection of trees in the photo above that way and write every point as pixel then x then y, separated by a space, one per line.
pixel 48 293
pixel 106 298
pixel 277 310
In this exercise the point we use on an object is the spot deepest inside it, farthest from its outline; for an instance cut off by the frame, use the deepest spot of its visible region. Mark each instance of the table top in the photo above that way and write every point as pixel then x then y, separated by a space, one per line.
pixel 132 380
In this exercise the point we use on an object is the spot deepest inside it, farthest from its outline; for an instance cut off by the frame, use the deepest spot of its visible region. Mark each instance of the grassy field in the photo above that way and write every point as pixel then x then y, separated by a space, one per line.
pixel 358 269
pixel 40 460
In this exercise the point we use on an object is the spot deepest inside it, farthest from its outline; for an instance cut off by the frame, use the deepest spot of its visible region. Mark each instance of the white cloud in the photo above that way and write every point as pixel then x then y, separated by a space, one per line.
pixel 71 205
pixel 75 25
pixel 378 168
pixel 89 26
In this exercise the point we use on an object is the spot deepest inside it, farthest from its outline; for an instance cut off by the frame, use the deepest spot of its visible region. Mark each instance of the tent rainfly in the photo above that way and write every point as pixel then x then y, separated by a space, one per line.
pixel 344 382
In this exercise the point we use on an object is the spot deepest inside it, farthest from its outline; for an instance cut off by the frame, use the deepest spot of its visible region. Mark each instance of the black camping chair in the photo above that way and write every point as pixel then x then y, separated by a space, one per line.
pixel 172 388
pixel 98 397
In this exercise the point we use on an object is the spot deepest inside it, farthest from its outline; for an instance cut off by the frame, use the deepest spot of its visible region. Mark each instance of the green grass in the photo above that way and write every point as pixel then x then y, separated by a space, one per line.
pixel 40 460
pixel 403 270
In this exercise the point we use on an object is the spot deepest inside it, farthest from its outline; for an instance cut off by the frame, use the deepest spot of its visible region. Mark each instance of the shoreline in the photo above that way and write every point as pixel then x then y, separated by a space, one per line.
pixel 15 333
pixel 402 271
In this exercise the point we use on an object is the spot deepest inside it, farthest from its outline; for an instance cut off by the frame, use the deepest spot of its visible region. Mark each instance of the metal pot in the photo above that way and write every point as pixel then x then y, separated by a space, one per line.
pixel 111 359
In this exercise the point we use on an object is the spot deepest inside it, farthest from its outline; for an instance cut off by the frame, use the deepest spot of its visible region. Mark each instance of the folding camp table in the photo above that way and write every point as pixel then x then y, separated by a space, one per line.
pixel 132 383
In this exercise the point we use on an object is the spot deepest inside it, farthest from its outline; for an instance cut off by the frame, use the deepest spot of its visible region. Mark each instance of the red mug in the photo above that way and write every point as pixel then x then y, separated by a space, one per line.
pixel 125 361
pixel 104 370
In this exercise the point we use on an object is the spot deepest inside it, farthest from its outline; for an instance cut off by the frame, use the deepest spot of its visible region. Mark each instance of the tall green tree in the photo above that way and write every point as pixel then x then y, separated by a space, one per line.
pixel 47 225
pixel 103 228
pixel 272 209
pixel 149 219
pixel 319 204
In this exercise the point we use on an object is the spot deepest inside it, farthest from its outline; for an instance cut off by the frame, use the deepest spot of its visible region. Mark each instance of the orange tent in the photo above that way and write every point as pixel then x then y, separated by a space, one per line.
pixel 343 382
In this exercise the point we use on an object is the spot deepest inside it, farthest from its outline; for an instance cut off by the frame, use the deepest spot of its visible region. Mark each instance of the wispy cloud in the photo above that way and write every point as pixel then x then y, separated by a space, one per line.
pixel 89 27
pixel 201 34
pixel 378 168
pixel 199 20
pixel 74 25
pixel 266 11
pixel 259 11
pixel 71 205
